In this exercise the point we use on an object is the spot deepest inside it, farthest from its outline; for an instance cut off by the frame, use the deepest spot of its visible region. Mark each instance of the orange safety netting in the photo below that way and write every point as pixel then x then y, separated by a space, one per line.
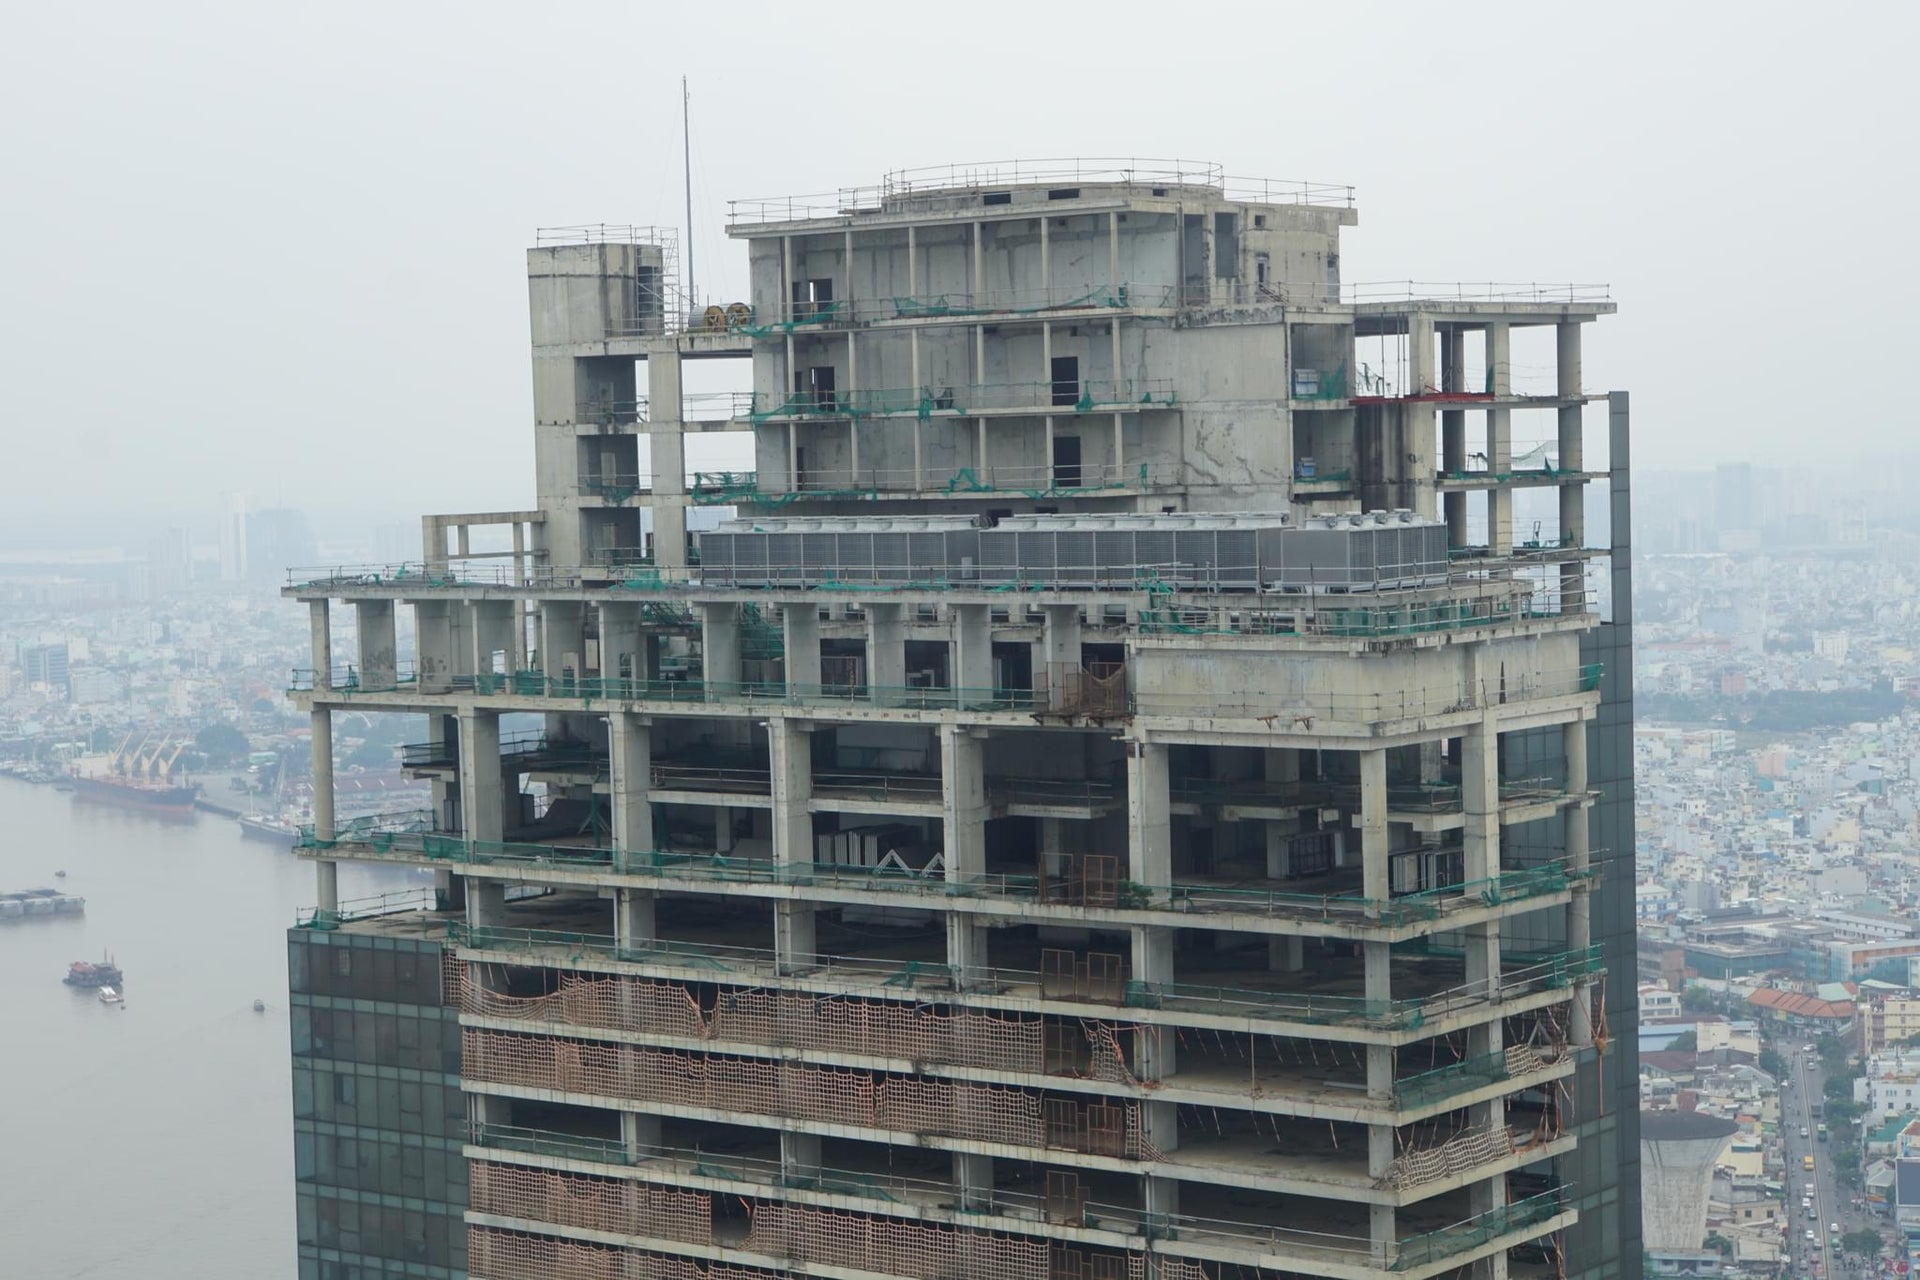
pixel 595 1204
pixel 912 1104
pixel 832 1238
pixel 792 1019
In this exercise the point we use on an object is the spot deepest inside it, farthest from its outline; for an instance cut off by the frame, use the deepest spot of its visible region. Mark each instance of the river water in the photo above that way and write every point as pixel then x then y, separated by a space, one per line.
pixel 155 1140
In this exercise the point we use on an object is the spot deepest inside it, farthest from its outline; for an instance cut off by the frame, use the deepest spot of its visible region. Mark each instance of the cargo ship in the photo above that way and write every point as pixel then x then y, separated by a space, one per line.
pixel 23 904
pixel 170 799
pixel 146 777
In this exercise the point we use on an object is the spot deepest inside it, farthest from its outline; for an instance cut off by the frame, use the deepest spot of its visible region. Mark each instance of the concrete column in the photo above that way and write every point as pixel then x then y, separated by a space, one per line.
pixel 630 739
pixel 1153 1046
pixel 1453 428
pixel 486 903
pixel 641 1134
pixel 1499 437
pixel 491 632
pixel 972 649
pixel 799 1156
pixel 1059 658
pixel 723 829
pixel 326 884
pixel 963 794
pixel 800 628
pixel 886 649
pixel 668 458
pixel 320 723
pixel 795 941
pixel 320 622
pixel 374 621
pixel 968 948
pixel 433 645
pixel 1419 416
pixel 1160 1199
pixel 623 656
pixel 1480 798
pixel 1579 860
pixel 1375 883
pixel 433 543
pixel 720 648
pixel 1149 824
pixel 563 641
pixel 1573 460
pixel 973 1179
pixel 633 918
pixel 482 789
pixel 326 872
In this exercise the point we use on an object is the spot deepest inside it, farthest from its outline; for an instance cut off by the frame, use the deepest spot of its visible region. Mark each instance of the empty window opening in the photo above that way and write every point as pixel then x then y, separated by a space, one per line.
pixel 815 385
pixel 997 197
pixel 1064 193
pixel 811 297
pixel 1226 245
pixel 1066 462
pixel 1066 380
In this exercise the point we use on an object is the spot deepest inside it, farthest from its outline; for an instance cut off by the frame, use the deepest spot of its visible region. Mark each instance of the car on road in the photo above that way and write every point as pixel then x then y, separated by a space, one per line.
pixel 1803 1131
pixel 1810 1236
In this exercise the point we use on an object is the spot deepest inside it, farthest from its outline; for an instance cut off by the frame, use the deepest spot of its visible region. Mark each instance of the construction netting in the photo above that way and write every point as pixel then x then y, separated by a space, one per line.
pixel 592 1204
pixel 826 1237
pixel 820 1238
pixel 911 1104
pixel 1465 1150
pixel 791 1019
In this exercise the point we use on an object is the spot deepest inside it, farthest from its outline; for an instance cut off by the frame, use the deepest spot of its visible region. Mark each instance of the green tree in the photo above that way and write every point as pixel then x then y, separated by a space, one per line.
pixel 1863 1241
pixel 1773 1064
pixel 1718 1243
pixel 1697 1000
pixel 1845 1111
pixel 1685 1042
pixel 220 744
pixel 1846 1165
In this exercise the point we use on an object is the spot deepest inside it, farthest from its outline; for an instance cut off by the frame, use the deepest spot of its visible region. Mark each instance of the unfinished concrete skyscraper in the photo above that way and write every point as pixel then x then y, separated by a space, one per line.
pixel 1116 803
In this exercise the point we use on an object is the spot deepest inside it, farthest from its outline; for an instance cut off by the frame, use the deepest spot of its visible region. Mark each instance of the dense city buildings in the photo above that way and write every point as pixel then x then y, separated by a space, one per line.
pixel 1127 796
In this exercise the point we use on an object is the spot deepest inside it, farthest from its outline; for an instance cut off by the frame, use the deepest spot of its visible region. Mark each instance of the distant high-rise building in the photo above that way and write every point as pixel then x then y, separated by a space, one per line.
pixel 170 561
pixel 278 539
pixel 1734 510
pixel 45 665
pixel 233 540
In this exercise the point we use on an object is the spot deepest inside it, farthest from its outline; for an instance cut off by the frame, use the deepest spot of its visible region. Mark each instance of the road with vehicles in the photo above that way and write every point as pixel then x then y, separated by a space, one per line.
pixel 1816 1201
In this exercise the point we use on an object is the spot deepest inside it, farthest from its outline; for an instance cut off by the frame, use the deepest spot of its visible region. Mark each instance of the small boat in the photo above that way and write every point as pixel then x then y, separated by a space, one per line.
pixel 259 1006
pixel 60 875
pixel 110 996
pixel 84 973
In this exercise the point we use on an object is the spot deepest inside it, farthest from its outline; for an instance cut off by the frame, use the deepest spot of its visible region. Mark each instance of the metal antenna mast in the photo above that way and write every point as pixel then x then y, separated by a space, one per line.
pixel 686 157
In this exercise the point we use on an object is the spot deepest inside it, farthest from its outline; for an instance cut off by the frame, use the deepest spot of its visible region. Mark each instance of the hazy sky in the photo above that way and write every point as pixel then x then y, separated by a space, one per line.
pixel 278 248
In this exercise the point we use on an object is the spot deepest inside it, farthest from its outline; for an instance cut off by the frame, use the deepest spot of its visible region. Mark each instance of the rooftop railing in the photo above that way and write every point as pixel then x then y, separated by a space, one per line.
pixel 1388 291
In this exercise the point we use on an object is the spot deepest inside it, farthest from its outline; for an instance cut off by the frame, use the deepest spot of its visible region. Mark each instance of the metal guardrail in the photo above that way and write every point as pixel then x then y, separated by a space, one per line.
pixel 1556 973
pixel 1045 397
pixel 386 904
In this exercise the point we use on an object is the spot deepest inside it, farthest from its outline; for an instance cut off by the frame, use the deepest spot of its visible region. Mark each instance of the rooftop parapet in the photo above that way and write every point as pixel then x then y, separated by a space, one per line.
pixel 941 188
